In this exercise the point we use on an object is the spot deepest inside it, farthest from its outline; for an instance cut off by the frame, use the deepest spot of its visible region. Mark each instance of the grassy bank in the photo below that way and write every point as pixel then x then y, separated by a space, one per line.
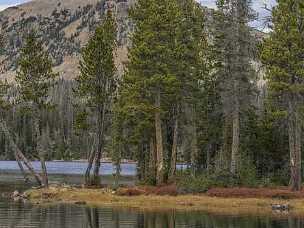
pixel 107 197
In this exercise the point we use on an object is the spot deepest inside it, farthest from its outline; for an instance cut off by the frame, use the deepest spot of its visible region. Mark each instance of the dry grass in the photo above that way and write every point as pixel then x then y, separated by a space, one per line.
pixel 104 197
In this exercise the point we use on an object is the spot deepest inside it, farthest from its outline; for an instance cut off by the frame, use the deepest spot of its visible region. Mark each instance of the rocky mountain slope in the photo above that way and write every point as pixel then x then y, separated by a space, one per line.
pixel 64 26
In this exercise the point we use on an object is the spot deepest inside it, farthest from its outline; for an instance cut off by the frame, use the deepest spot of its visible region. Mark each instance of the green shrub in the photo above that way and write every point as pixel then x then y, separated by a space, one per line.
pixel 193 184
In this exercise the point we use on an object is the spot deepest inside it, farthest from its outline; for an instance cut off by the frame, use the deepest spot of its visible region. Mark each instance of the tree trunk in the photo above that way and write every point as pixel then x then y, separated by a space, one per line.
pixel 18 154
pixel 208 158
pixel 90 164
pixel 294 133
pixel 174 151
pixel 235 137
pixel 21 168
pixel 160 174
pixel 226 150
pixel 152 160
pixel 100 140
pixel 45 179
pixel 41 153
pixel 194 146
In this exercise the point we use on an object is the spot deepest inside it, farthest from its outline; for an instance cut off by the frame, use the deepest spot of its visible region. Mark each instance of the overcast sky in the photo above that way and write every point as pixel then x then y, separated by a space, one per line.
pixel 257 5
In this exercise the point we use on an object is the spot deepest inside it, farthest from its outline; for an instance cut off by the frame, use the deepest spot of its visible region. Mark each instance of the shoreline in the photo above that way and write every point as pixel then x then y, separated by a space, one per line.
pixel 193 202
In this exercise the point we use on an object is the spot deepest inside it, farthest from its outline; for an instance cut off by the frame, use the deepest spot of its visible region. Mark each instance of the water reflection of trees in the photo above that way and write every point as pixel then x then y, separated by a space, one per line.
pixel 174 219
pixel 69 216
pixel 92 217
pixel 116 218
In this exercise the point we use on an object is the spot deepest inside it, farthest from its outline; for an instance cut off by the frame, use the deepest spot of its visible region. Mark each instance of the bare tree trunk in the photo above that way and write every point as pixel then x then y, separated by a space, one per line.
pixel 174 150
pixel 235 136
pixel 100 140
pixel 41 153
pixel 18 154
pixel 160 174
pixel 294 133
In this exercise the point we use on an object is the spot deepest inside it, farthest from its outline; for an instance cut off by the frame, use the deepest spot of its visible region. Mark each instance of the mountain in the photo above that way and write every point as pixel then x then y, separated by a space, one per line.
pixel 64 27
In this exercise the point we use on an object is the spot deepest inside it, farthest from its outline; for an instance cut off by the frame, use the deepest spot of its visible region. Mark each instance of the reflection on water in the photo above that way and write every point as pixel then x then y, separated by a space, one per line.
pixel 70 216
pixel 20 215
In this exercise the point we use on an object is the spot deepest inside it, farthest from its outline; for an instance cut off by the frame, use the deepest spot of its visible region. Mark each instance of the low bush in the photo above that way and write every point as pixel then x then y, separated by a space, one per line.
pixel 193 184
pixel 130 191
pixel 170 190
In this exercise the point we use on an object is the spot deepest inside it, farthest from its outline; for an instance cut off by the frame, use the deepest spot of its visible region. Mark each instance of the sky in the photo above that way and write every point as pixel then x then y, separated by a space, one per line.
pixel 257 5
pixel 7 3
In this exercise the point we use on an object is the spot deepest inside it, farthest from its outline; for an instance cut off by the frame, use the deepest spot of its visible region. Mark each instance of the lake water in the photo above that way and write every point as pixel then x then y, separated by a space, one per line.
pixel 24 215
pixel 70 167
pixel 127 169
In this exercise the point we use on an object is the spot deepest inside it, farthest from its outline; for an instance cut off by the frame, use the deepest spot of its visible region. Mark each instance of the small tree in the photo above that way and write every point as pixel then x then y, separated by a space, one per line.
pixel 96 83
pixel 34 79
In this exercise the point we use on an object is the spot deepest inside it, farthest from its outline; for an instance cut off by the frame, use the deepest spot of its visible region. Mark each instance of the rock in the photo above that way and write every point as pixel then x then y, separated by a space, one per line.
pixel 15 194
pixel 25 195
pixel 280 207
pixel 16 199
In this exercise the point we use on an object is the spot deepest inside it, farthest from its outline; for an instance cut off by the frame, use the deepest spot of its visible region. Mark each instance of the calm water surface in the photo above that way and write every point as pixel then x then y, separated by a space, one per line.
pixel 128 169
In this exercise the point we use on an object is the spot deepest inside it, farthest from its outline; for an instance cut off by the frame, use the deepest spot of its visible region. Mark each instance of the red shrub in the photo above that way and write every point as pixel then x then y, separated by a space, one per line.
pixel 170 190
pixel 130 192
pixel 282 192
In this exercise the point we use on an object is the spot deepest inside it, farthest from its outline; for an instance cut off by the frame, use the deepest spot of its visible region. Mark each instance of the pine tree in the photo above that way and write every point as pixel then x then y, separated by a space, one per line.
pixel 282 53
pixel 150 80
pixel 96 85
pixel 191 71
pixel 34 78
pixel 234 53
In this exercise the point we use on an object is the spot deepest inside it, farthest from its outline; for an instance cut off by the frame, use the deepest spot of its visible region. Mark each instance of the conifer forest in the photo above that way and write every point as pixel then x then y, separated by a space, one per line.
pixel 199 88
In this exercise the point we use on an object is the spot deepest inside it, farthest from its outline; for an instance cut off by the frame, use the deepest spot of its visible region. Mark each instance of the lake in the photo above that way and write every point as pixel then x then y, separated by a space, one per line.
pixel 55 167
pixel 25 215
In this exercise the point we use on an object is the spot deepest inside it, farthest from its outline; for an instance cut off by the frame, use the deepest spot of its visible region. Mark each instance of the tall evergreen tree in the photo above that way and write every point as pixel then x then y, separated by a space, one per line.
pixel 151 80
pixel 191 72
pixel 96 85
pixel 34 78
pixel 282 54
pixel 234 53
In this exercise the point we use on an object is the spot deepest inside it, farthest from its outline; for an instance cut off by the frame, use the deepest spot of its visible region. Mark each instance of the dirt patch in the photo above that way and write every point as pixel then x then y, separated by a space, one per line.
pixel 280 193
